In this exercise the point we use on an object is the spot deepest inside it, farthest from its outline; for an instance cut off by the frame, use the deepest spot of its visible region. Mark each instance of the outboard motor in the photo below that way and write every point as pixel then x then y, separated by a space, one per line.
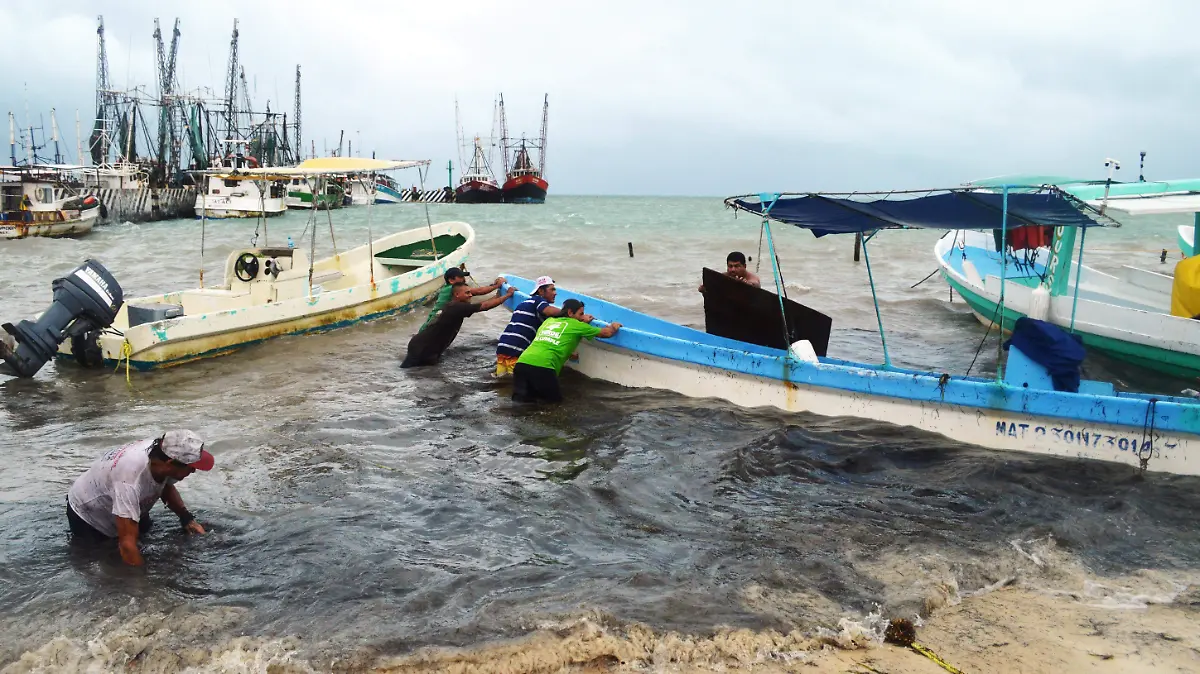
pixel 85 302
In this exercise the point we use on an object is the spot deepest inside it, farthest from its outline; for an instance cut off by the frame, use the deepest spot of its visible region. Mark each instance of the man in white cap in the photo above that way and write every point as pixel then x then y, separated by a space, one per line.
pixel 113 498
pixel 527 317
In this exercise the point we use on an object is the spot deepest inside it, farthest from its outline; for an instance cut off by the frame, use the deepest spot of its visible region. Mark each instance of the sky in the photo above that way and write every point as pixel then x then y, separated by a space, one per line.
pixel 674 98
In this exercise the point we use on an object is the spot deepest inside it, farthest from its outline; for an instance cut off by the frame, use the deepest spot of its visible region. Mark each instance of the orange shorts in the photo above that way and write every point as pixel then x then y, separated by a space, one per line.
pixel 505 364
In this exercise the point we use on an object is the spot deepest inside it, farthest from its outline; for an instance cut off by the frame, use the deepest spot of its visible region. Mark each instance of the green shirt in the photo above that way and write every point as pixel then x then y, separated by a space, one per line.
pixel 443 298
pixel 555 342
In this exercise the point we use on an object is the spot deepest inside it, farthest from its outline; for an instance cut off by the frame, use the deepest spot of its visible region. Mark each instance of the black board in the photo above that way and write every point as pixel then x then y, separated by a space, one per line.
pixel 739 311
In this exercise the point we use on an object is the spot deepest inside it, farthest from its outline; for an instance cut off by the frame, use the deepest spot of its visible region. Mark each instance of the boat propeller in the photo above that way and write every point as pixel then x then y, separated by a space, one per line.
pixel 85 301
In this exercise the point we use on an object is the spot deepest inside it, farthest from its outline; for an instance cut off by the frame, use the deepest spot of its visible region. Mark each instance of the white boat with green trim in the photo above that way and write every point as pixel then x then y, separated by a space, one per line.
pixel 273 291
pixel 1126 316
pixel 1187 240
pixel 270 292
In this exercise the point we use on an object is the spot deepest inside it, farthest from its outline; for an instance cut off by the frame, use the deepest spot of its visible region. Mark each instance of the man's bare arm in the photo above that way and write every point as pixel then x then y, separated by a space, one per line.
pixel 127 541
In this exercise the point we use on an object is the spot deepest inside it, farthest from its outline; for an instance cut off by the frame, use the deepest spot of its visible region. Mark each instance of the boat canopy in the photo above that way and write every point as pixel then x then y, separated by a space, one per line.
pixel 319 166
pixel 956 208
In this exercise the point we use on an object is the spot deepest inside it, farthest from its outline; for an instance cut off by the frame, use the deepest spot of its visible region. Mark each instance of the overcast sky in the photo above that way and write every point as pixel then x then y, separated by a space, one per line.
pixel 688 98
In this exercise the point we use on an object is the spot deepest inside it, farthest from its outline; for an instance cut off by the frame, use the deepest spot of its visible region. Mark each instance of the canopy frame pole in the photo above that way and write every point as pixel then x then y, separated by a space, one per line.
pixel 428 222
pixel 1078 272
pixel 203 222
pixel 772 199
pixel 262 210
pixel 329 216
pixel 370 238
pixel 1003 277
pixel 312 236
pixel 887 359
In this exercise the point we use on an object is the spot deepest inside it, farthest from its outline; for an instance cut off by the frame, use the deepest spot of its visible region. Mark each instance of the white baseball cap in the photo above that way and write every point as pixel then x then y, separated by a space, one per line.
pixel 542 281
pixel 186 447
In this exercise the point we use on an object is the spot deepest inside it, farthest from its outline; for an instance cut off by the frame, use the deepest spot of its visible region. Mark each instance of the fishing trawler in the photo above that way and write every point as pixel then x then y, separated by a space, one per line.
pixel 375 189
pixel 299 195
pixel 36 201
pixel 524 183
pixel 477 186
pixel 234 193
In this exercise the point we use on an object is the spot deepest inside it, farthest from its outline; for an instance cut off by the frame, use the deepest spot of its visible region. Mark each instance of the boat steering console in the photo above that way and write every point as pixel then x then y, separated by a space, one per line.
pixel 247 266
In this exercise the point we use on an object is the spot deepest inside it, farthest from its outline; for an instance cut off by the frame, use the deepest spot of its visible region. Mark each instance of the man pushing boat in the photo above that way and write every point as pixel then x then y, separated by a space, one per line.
pixel 114 497
pixel 535 376
pixel 527 317
pixel 426 347
pixel 454 276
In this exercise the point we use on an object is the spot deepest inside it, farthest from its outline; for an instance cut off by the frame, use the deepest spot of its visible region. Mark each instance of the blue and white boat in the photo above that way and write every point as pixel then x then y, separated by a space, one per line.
pixel 1019 410
pixel 1128 315
pixel 376 189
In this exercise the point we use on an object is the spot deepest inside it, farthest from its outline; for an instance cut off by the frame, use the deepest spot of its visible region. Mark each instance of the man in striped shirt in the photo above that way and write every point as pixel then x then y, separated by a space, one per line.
pixel 527 317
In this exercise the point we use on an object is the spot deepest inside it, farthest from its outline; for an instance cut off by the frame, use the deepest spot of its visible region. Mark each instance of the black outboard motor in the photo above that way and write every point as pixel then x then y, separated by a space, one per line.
pixel 85 302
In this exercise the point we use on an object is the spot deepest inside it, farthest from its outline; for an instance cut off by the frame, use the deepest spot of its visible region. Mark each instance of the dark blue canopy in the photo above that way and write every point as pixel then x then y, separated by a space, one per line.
pixel 946 209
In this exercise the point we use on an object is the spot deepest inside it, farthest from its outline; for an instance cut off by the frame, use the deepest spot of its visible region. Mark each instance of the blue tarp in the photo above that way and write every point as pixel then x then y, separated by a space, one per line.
pixel 953 209
pixel 1055 349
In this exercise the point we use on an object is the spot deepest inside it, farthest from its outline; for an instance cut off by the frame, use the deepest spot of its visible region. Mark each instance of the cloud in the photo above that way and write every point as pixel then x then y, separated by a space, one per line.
pixel 680 97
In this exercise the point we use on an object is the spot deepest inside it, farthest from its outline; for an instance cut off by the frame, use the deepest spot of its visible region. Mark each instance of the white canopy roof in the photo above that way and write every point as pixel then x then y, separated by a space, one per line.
pixel 1179 202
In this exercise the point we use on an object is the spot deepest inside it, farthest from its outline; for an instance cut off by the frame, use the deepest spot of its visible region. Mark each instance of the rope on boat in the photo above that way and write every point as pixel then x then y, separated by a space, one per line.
pixel 428 222
pixel 981 341
pixel 1146 450
pixel 126 352
pixel 924 279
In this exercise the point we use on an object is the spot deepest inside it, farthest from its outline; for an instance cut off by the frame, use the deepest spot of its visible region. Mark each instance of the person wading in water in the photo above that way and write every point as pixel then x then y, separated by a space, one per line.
pixel 114 497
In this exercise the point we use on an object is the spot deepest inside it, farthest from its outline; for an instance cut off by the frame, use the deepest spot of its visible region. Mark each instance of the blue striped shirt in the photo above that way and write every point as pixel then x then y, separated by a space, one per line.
pixel 526 319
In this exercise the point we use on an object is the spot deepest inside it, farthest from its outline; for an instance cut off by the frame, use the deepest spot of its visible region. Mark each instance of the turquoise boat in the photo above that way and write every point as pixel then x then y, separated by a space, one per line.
pixel 1125 315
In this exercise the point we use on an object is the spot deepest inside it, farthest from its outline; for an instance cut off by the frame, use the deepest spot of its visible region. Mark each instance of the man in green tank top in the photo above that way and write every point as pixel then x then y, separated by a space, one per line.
pixel 455 275
pixel 535 376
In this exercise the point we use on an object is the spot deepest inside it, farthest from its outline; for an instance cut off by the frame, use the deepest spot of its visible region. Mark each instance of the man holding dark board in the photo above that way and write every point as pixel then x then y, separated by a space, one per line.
pixel 735 268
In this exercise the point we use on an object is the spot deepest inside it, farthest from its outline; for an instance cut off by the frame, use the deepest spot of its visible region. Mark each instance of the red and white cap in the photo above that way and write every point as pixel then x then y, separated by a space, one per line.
pixel 186 447
pixel 542 281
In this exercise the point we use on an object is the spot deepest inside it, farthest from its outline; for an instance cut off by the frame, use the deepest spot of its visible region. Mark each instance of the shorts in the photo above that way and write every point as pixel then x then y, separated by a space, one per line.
pixel 505 364
pixel 81 531
pixel 532 384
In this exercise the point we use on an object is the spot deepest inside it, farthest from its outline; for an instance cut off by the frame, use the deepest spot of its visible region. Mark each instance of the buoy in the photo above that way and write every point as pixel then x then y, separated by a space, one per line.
pixel 1039 303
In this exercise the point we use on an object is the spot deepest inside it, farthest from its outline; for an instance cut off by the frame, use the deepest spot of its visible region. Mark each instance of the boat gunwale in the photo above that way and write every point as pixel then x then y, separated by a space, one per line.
pixel 1171 413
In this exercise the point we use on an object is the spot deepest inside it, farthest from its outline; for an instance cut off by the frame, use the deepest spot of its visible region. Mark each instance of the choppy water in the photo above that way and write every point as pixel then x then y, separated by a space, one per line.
pixel 359 511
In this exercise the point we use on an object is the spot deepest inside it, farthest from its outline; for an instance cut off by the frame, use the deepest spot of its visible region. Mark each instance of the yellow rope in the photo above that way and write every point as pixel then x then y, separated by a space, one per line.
pixel 936 659
pixel 126 352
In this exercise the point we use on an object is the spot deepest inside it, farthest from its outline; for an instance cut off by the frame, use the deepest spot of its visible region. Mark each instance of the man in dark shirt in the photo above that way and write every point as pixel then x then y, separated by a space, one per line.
pixel 426 347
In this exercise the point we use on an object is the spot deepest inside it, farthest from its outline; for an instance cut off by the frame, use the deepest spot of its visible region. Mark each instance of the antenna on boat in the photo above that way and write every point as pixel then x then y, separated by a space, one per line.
pixel 12 138
pixel 296 117
pixel 503 134
pixel 542 144
pixel 1112 165
pixel 54 137
pixel 1142 166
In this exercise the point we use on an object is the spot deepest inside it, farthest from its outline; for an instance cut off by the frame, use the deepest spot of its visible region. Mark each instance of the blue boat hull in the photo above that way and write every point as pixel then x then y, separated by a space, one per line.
pixel 1100 424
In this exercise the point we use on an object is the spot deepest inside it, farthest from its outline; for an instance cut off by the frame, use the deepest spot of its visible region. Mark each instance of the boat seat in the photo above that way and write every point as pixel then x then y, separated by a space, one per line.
pixel 1097 388
pixel 400 262
pixel 326 277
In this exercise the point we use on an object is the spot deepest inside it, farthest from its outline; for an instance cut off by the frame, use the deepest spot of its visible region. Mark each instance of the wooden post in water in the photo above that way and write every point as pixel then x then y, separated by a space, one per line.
pixel 630 249
pixel 857 244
